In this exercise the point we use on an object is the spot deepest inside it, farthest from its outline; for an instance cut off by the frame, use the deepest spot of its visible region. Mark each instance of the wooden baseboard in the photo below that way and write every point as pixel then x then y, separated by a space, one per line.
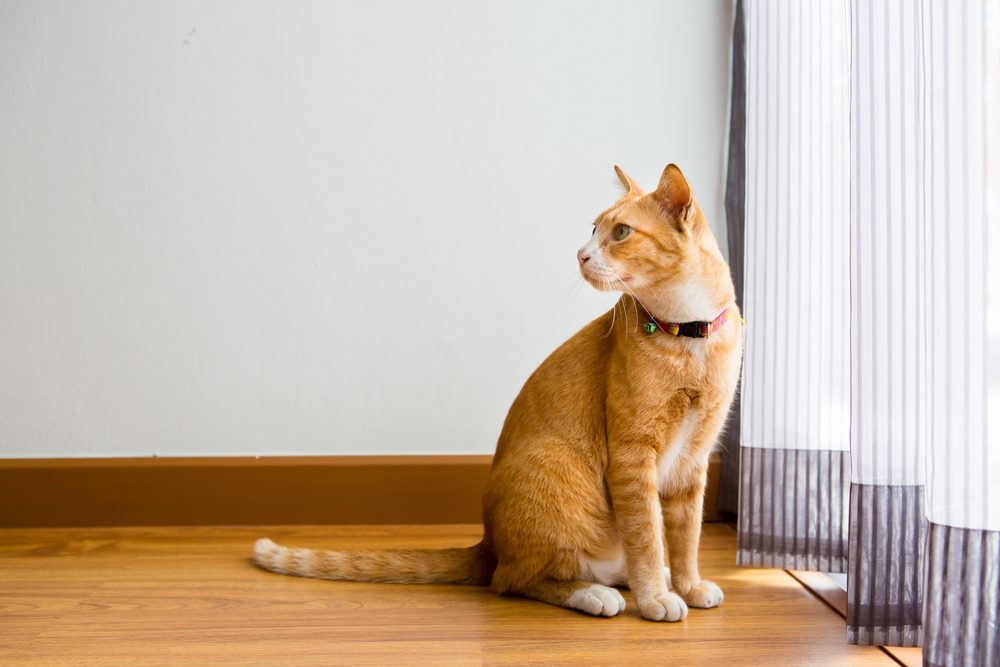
pixel 242 490
pixel 204 491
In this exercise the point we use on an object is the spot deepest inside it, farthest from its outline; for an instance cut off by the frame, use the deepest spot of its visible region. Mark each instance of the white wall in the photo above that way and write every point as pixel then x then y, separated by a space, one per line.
pixel 253 227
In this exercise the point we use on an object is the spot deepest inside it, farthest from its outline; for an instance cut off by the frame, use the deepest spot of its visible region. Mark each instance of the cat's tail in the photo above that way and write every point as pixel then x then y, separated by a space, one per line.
pixel 471 565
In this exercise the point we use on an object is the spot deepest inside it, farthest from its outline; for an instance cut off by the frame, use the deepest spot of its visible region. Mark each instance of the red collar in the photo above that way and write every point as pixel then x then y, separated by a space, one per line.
pixel 688 329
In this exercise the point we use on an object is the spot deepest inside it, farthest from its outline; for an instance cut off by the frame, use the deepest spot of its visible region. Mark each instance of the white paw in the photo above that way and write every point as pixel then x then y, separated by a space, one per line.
pixel 666 607
pixel 666 575
pixel 597 600
pixel 704 595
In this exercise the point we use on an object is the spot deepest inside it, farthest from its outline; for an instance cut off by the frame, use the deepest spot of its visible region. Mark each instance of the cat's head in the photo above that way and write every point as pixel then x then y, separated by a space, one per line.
pixel 658 247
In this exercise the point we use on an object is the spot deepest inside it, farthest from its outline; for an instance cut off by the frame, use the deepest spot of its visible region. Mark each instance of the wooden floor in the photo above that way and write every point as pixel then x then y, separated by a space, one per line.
pixel 191 596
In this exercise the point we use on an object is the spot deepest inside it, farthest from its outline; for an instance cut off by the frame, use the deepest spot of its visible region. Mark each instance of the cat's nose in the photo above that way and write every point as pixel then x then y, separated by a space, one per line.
pixel 582 256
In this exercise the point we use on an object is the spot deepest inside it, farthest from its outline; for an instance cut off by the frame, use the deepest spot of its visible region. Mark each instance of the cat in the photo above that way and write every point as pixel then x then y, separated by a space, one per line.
pixel 600 469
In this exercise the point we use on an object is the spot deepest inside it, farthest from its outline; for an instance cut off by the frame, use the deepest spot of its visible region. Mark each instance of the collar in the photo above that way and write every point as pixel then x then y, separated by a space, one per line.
pixel 688 329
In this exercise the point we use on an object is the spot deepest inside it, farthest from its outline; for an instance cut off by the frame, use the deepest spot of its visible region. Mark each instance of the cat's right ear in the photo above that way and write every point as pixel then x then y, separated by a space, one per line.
pixel 674 194
pixel 631 189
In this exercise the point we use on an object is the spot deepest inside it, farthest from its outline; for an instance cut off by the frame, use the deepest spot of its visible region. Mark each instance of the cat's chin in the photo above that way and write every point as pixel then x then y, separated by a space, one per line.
pixel 605 284
pixel 609 286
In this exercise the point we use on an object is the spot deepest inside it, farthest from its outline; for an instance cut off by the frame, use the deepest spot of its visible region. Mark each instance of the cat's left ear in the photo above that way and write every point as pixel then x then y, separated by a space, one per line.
pixel 631 188
pixel 674 194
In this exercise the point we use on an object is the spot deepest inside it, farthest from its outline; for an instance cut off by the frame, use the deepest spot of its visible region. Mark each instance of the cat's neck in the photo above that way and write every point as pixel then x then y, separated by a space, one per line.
pixel 700 297
pixel 690 301
pixel 701 291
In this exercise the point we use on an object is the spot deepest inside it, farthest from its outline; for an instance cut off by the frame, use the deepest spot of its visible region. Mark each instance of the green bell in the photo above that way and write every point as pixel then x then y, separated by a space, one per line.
pixel 649 327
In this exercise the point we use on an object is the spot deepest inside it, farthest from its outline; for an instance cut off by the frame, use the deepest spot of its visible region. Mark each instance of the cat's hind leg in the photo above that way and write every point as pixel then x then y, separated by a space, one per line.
pixel 590 598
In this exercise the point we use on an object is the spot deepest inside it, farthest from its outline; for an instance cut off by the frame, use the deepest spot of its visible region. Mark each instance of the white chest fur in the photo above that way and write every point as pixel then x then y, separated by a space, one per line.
pixel 668 459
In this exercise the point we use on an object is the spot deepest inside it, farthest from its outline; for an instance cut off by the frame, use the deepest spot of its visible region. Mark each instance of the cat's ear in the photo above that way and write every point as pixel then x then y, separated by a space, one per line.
pixel 630 186
pixel 674 194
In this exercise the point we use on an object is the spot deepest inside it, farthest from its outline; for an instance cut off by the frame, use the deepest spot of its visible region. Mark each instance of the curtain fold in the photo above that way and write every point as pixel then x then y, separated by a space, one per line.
pixel 735 223
pixel 886 565
pixel 962 615
pixel 794 509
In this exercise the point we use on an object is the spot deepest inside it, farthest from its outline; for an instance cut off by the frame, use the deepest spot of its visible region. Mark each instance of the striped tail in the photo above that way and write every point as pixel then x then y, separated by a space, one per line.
pixel 470 565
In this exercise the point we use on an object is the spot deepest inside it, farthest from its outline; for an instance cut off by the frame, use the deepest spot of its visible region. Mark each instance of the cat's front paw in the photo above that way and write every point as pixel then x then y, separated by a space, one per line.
pixel 597 600
pixel 704 595
pixel 666 607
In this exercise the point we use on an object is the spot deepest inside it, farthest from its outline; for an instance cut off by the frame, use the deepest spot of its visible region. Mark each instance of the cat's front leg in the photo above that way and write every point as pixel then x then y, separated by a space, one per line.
pixel 682 517
pixel 632 483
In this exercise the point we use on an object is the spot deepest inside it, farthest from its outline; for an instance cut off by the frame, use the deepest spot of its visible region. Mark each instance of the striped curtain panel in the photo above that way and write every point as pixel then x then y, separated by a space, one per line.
pixel 872 281
pixel 889 343
pixel 795 409
pixel 960 287
pixel 921 331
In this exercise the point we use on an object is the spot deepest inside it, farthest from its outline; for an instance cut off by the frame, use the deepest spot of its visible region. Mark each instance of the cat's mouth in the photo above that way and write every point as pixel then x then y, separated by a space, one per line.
pixel 605 280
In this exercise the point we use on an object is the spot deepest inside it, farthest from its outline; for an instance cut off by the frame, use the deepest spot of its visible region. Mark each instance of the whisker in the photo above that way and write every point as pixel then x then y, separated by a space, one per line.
pixel 635 299
pixel 639 301
pixel 575 285
pixel 614 311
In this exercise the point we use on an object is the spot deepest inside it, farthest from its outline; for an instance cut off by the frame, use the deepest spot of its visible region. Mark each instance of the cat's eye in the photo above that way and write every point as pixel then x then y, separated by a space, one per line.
pixel 595 230
pixel 621 232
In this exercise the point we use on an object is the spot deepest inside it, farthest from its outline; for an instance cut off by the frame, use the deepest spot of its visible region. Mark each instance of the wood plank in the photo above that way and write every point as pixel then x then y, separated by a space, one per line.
pixel 153 596
pixel 274 490
pixel 825 588
pixel 909 656
pixel 742 652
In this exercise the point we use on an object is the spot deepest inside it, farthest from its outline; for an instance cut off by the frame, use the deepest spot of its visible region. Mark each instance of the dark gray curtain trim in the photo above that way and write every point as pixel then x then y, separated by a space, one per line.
pixel 793 509
pixel 892 635
pixel 729 471
pixel 886 549
pixel 735 217
pixel 962 615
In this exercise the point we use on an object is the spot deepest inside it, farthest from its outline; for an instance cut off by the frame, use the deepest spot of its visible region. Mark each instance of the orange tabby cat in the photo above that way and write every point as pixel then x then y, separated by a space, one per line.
pixel 602 461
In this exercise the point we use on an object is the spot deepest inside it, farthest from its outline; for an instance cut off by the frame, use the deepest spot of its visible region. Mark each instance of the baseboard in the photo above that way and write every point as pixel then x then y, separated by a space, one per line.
pixel 204 491
pixel 242 490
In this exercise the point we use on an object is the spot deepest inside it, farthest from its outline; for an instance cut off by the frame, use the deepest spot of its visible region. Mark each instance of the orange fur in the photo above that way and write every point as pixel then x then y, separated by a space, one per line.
pixel 600 468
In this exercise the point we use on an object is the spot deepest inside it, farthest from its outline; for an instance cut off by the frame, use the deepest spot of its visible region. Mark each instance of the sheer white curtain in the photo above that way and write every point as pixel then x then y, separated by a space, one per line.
pixel 960 167
pixel 889 339
pixel 795 392
pixel 921 339
pixel 883 235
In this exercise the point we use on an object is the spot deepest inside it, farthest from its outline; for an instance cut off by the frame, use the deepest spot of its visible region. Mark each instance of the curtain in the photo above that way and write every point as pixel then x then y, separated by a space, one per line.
pixel 889 343
pixel 871 296
pixel 924 514
pixel 795 387
pixel 961 213
pixel 735 223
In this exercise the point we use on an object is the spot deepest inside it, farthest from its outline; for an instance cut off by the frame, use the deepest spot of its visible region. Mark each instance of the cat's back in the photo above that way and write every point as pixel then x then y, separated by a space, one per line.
pixel 552 451
pixel 563 400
